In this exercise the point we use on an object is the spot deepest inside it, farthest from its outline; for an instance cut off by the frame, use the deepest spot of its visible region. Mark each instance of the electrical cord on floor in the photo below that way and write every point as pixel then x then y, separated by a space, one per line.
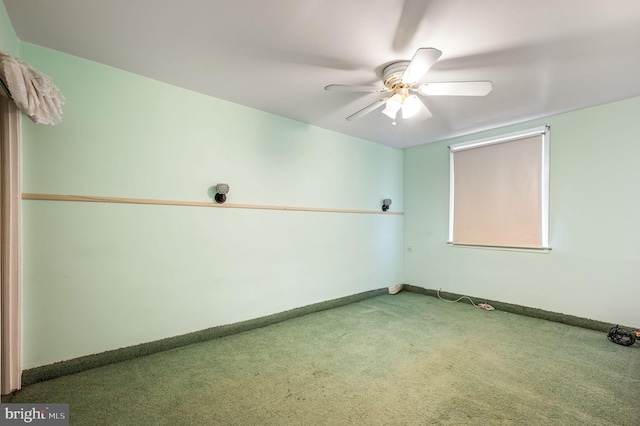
pixel 622 336
pixel 484 306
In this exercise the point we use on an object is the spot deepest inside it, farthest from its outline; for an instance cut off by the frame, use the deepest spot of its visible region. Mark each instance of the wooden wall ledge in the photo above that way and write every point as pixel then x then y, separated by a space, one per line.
pixel 118 200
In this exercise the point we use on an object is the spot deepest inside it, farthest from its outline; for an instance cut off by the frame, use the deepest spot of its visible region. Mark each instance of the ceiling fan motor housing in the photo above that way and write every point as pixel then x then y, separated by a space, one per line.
pixel 392 73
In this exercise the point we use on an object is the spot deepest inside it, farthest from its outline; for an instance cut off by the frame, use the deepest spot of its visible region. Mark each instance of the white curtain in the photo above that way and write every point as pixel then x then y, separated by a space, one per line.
pixel 33 92
pixel 10 244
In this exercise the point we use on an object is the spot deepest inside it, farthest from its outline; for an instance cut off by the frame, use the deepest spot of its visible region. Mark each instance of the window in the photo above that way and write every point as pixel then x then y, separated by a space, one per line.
pixel 499 191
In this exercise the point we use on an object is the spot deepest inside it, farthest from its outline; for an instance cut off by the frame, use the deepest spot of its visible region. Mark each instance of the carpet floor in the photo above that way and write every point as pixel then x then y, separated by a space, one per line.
pixel 406 359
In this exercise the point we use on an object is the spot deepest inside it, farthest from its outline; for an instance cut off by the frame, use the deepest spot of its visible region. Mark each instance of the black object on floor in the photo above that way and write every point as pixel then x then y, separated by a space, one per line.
pixel 622 336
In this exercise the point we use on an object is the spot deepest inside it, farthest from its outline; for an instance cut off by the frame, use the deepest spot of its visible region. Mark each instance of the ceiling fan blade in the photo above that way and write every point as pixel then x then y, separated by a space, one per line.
pixel 366 110
pixel 456 88
pixel 347 88
pixel 423 59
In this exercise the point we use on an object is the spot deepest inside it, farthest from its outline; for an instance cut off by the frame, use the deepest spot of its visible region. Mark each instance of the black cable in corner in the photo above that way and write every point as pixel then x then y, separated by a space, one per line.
pixel 622 336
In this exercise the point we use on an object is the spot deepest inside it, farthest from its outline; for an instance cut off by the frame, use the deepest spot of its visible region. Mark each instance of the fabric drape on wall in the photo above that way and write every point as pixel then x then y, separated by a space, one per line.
pixel 33 92
pixel 10 243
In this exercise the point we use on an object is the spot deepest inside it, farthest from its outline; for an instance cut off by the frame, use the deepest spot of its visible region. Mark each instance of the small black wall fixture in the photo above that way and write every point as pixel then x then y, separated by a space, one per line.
pixel 221 193
pixel 385 204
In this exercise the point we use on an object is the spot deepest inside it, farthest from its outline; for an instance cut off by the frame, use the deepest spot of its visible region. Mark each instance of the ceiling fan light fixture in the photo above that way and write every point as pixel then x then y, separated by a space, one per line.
pixel 390 113
pixel 395 102
pixel 410 106
pixel 392 107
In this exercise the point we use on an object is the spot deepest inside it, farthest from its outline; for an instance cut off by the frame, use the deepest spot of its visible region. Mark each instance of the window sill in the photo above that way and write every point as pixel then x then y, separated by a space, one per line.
pixel 543 250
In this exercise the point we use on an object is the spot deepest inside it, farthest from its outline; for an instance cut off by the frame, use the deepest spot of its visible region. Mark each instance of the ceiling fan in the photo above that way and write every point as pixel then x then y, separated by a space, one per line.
pixel 402 78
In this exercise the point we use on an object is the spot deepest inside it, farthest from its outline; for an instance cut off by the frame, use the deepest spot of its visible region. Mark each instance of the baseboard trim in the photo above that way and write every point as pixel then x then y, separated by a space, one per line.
pixel 76 365
pixel 520 310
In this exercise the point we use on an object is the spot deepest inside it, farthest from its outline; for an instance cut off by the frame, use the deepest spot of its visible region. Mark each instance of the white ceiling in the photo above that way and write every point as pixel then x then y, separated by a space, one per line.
pixel 543 56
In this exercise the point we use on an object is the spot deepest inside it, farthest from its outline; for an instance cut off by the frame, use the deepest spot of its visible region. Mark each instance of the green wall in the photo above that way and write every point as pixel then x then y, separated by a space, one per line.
pixel 593 268
pixel 105 276
pixel 8 40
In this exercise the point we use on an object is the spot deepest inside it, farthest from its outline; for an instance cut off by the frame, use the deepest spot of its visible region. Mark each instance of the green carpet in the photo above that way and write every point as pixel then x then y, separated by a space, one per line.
pixel 407 359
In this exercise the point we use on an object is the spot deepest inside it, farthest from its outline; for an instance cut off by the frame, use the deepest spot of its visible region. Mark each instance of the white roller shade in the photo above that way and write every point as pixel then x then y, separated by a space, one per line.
pixel 499 191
